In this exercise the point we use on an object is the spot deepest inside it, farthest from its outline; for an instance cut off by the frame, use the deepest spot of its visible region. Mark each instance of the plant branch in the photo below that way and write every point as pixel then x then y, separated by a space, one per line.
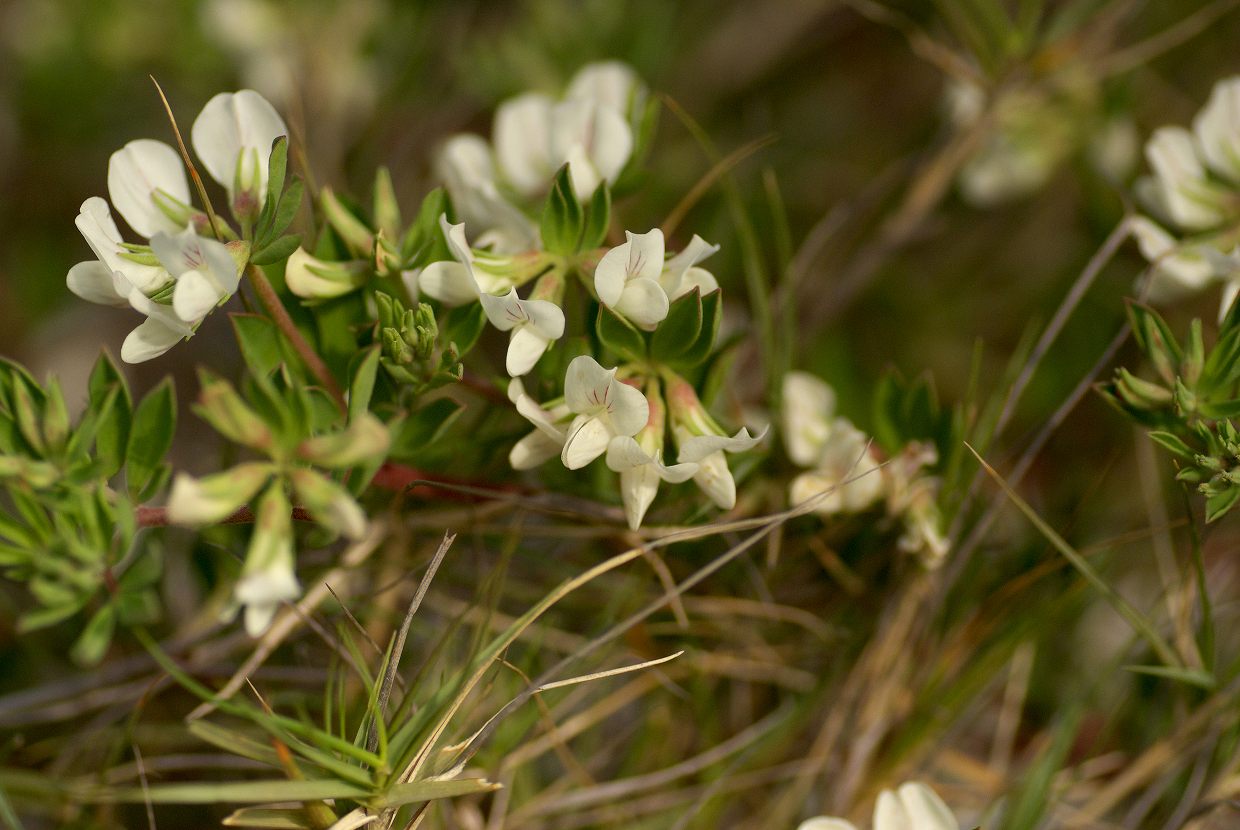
pixel 279 315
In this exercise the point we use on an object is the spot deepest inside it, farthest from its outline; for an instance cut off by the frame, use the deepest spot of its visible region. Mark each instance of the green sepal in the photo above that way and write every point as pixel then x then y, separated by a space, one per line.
pixel 276 251
pixel 463 325
pixel 712 316
pixel 618 335
pixel 679 331
pixel 598 218
pixel 562 217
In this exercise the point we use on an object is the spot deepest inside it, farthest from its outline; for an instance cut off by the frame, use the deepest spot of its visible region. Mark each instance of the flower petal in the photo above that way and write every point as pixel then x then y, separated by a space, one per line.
pixel 523 142
pixel 94 221
pixel 449 282
pixel 624 453
pixel 149 340
pixel 525 347
pixel 93 282
pixel 533 450
pixel 696 447
pixel 715 480
pixel 135 172
pixel 1189 198
pixel 587 385
pixel 1178 270
pixel 1217 129
pixel 644 302
pixel 926 811
pixel 609 83
pixel 195 296
pixel 505 312
pixel 629 408
pixel 588 438
pixel 826 823
pixel 638 487
pixel 808 405
pixel 611 274
pixel 231 123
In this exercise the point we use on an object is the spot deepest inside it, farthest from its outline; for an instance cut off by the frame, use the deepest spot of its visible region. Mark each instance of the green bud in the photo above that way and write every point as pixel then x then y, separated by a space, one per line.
pixel 364 441
pixel 355 234
pixel 221 407
pixel 315 279
pixel 395 348
pixel 386 209
pixel 1141 394
pixel 197 502
pixel 329 503
pixel 247 198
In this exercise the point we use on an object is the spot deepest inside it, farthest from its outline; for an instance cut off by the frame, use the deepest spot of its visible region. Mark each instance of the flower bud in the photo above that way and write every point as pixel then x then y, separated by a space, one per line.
pixel 311 278
pixel 365 440
pixel 221 407
pixel 355 234
pixel 329 503
pixel 386 210
pixel 203 501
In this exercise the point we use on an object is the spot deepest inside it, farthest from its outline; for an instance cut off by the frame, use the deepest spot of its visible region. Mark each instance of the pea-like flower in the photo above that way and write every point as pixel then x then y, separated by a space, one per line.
pixel 845 476
pixel 550 429
pixel 627 278
pixel 232 136
pixel 639 461
pixel 605 408
pixel 1194 194
pixel 534 325
pixel 466 276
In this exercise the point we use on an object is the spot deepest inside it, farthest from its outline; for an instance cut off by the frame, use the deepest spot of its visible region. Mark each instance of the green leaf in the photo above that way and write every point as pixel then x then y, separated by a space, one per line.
pixel 234 742
pixel 362 382
pixel 112 427
pixel 598 218
pixel 424 427
pixel 424 241
pixel 150 438
pixel 463 325
pixel 277 167
pixel 678 333
pixel 259 340
pixel 712 314
pixel 284 215
pixel 562 218
pixel 277 251
pixel 1192 677
pixel 95 638
pixel 617 334
pixel 1173 444
pixel 1219 504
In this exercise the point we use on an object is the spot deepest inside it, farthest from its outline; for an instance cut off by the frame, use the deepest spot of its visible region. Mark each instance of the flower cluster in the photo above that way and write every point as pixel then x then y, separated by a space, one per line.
pixel 1194 198
pixel 181 274
pixel 846 473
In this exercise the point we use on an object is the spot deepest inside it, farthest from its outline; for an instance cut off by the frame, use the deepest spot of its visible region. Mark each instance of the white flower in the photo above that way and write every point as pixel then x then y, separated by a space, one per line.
pixel 639 461
pixel 707 451
pixel 608 83
pixel 1179 269
pixel 467 169
pixel 1180 188
pixel 845 476
pixel 463 278
pixel 205 272
pixel 147 186
pixel 534 136
pixel 604 407
pixel 312 278
pixel 533 323
pixel 627 278
pixel 232 136
pixel 550 429
pixel 913 806
pixel 268 577
pixel 681 273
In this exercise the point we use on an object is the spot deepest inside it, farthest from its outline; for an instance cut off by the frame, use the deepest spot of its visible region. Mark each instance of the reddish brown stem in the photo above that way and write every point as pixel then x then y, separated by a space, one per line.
pixel 158 516
pixel 279 315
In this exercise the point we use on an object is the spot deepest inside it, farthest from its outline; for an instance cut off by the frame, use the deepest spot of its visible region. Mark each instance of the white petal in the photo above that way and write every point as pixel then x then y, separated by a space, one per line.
pixel 588 438
pixel 610 275
pixel 525 347
pixel 149 340
pixel 601 132
pixel 674 271
pixel 94 220
pixel 449 282
pixel 676 473
pixel 135 172
pixel 533 450
pixel 587 384
pixel 609 83
pixel 92 281
pixel 645 254
pixel 638 487
pixel 505 312
pixel 545 317
pixel 1217 128
pixel 925 809
pixel 195 296
pixel 889 813
pixel 644 302
pixel 584 175
pixel 820 488
pixel 630 411
pixel 826 823
pixel 1178 270
pixel 231 123
pixel 523 142
pixel 1190 200
pixel 1231 289
pixel 715 480
pixel 696 447
pixel 458 245
pixel 624 453
pixel 701 279
pixel 808 405
pixel 464 163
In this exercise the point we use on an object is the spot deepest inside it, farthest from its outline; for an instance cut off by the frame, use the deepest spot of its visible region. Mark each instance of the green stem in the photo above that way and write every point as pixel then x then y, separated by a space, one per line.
pixel 279 315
